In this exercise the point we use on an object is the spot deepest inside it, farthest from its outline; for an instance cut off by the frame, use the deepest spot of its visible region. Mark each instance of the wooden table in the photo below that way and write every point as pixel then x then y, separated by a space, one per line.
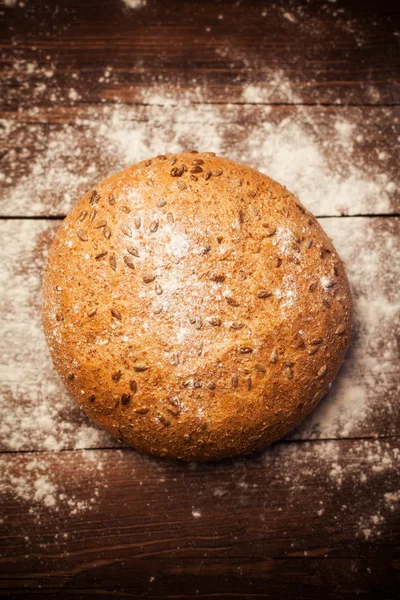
pixel 306 89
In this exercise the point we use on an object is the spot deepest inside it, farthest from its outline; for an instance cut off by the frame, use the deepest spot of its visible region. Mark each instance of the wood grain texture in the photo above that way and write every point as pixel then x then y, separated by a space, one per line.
pixel 343 160
pixel 89 87
pixel 362 402
pixel 328 54
pixel 161 529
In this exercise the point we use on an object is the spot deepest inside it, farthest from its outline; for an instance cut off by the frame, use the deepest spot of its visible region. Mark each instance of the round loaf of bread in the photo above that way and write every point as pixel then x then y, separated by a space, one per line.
pixel 194 308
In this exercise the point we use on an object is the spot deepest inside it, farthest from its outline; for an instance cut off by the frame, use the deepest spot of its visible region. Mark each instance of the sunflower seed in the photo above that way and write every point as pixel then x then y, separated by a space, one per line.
pixel 173 407
pixel 316 341
pixel 101 254
pixel 177 171
pixel 92 312
pixel 157 310
pixel 308 244
pixel 126 230
pixel 263 294
pixel 161 157
pixel 175 359
pixel 234 381
pixel 133 386
pixel 161 202
pixel 158 289
pixel 260 368
pixel 289 372
pixel 133 251
pixel 137 220
pixel 94 197
pixel 181 185
pixel 82 235
pixel 313 350
pixel 249 383
pixel 93 214
pixel 173 160
pixel 150 183
pixel 129 262
pixel 198 323
pixel 170 218
pixel 322 372
pixel 70 377
pixel 154 226
pixel 274 356
pixel 231 301
pixel 82 216
pixel 116 376
pixel 245 350
pixel 125 398
pixel 116 314
pixel 111 199
pixel 218 278
pixel 148 277
pixel 215 321
pixel 212 385
pixel 207 174
pixel 216 173
pixel 100 224
pixel 92 398
pixel 113 262
pixel 107 232
pixel 313 286
pixel 194 178
pixel 140 368
pixel 236 326
pixel 242 275
pixel 141 410
pixel 196 169
pixel 198 161
pixel 147 163
pixel 164 420
pixel 340 330
pixel 126 209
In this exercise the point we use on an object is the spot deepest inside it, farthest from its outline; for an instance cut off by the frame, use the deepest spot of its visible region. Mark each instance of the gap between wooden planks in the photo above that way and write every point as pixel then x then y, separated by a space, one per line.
pixel 298 52
pixel 342 158
pixel 362 402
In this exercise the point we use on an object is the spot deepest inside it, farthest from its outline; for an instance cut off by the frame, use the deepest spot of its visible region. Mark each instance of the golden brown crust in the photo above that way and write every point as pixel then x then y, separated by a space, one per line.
pixel 194 308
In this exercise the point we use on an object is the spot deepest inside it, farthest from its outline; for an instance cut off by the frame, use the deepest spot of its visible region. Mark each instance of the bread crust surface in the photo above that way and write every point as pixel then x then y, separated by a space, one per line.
pixel 194 308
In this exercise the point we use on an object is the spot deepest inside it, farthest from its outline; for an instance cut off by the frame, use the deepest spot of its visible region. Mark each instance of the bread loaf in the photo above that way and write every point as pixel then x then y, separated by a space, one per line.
pixel 194 308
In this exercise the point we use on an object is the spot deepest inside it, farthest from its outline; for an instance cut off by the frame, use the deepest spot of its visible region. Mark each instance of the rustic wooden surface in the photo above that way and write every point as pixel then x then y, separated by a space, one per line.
pixel 316 515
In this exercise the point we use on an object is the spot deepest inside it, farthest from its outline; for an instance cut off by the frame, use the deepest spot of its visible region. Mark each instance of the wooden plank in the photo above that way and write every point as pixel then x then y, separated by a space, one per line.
pixel 363 401
pixel 308 52
pixel 300 520
pixel 339 160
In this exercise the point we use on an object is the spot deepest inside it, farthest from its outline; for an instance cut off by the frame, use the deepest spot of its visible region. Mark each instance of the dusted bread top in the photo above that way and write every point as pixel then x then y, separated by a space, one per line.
pixel 194 308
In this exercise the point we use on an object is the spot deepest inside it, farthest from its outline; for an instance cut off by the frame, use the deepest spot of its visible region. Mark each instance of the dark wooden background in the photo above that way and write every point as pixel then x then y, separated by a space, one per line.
pixel 317 515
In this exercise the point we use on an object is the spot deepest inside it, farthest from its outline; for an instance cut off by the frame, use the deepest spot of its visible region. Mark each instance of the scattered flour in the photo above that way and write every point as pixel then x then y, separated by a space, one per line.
pixel 102 140
pixel 135 4
pixel 64 160
pixel 39 481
